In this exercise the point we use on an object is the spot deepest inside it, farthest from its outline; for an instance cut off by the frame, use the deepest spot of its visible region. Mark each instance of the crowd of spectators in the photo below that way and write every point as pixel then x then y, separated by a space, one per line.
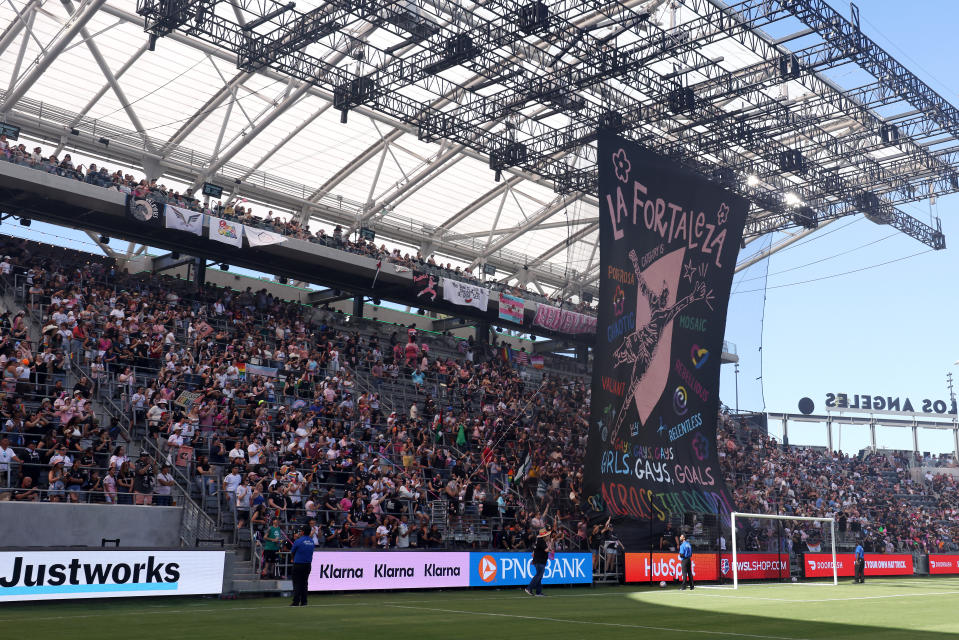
pixel 377 436
pixel 306 440
pixel 239 210
pixel 872 495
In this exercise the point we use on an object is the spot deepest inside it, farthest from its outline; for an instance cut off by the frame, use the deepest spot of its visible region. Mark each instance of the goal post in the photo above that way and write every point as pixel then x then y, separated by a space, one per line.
pixel 762 516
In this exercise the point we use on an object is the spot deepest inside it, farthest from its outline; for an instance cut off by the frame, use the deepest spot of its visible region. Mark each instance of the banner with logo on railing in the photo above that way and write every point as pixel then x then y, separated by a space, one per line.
pixel 563 320
pixel 226 231
pixel 180 219
pixel 465 294
pixel 257 237
pixel 511 308
pixel 425 285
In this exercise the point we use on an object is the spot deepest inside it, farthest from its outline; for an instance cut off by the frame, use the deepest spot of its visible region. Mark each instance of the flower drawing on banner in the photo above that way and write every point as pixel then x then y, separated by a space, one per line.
pixel 700 447
pixel 621 166
pixel 226 229
pixel 722 215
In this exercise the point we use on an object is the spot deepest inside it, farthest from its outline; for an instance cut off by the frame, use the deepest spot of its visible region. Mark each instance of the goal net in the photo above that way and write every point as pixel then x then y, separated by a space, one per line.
pixel 779 548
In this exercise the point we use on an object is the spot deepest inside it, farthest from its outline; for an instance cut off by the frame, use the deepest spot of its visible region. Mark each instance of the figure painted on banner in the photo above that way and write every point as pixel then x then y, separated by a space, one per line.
pixel 542 550
pixel 430 289
pixel 686 559
pixel 639 347
pixel 302 554
pixel 860 564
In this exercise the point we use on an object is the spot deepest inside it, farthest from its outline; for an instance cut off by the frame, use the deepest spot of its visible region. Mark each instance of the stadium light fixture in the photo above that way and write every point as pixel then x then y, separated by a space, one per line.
pixel 224 266
pixel 792 199
pixel 752 181
pixel 104 239
pixel 25 222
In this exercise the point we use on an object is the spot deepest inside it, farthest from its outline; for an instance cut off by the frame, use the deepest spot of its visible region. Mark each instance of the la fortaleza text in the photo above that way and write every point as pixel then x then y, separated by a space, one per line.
pixel 669 220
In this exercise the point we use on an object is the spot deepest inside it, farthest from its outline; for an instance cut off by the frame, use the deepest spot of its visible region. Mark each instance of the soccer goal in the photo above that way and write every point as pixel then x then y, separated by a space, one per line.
pixel 763 544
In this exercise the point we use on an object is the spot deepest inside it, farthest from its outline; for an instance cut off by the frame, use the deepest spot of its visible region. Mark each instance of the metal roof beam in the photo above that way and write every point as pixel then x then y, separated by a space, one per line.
pixel 262 124
pixel 558 204
pixel 211 105
pixel 77 22
pixel 499 232
pixel 111 79
pixel 17 25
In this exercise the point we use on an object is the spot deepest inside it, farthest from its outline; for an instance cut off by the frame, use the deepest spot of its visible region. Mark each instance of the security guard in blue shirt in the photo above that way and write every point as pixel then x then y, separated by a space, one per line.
pixel 302 554
pixel 686 558
pixel 860 564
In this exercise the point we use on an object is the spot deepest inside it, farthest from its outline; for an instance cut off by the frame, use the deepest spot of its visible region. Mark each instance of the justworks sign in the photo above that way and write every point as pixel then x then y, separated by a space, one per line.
pixel 887 403
pixel 104 574
pixel 99 573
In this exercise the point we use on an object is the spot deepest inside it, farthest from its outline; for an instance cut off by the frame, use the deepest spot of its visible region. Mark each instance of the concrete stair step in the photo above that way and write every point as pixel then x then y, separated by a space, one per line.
pixel 262 586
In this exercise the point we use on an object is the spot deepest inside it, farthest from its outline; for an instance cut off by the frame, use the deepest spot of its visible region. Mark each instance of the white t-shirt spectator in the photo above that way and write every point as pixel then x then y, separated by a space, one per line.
pixel 403 536
pixel 253 452
pixel 231 481
pixel 162 489
pixel 6 457
pixel 382 536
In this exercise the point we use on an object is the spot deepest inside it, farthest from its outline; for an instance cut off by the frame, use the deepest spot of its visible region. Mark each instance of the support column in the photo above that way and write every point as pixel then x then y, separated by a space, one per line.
pixel 872 434
pixel 200 271
pixel 482 332
pixel 915 437
pixel 829 435
pixel 582 354
pixel 955 441
pixel 358 304
pixel 785 431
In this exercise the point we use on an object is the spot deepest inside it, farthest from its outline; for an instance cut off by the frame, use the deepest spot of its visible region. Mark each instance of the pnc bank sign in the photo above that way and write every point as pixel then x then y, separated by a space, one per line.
pixel 513 569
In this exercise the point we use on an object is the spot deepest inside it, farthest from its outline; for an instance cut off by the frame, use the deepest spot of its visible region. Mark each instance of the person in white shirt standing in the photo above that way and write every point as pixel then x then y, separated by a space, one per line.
pixel 164 486
pixel 7 456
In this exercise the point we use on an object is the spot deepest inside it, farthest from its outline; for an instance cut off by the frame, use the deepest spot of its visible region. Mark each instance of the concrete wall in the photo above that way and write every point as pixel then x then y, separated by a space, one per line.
pixel 62 525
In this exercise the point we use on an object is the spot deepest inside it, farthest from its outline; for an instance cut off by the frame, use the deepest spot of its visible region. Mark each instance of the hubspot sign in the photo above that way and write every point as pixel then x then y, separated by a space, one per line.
pixel 646 567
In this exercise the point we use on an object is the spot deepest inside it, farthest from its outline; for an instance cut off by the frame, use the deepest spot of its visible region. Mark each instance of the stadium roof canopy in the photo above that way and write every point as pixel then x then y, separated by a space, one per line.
pixel 251 94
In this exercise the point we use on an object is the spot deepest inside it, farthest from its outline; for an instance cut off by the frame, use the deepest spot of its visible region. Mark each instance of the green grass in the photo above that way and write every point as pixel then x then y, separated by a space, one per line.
pixel 913 609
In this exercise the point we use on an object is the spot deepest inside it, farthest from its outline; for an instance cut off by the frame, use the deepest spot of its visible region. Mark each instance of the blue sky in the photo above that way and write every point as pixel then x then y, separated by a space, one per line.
pixel 887 330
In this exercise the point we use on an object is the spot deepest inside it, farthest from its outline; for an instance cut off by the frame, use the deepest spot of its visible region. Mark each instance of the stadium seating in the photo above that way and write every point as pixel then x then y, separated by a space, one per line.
pixel 379 434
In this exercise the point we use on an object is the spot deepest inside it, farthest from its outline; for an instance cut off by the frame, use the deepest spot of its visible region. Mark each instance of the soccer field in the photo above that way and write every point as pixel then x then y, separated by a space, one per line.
pixel 917 609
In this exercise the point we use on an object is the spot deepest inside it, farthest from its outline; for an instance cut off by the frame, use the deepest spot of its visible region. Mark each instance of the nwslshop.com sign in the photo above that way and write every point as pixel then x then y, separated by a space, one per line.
pixel 347 571
pixel 668 246
pixel 52 575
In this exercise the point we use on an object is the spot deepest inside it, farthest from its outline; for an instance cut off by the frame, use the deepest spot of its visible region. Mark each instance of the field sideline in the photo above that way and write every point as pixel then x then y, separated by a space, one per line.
pixel 915 609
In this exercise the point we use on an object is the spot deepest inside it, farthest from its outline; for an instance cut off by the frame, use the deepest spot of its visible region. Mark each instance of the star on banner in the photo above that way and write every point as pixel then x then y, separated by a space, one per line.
pixel 689 270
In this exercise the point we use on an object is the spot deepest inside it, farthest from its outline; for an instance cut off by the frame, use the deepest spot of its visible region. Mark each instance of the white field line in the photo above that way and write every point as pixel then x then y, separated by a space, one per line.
pixel 594 623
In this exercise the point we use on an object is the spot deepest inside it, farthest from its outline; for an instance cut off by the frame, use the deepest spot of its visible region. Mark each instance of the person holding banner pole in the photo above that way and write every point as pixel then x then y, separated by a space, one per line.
pixel 541 553
pixel 860 576
pixel 302 553
pixel 686 558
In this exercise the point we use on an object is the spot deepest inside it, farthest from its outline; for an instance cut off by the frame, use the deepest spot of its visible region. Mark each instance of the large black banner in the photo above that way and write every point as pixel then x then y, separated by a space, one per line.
pixel 668 246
